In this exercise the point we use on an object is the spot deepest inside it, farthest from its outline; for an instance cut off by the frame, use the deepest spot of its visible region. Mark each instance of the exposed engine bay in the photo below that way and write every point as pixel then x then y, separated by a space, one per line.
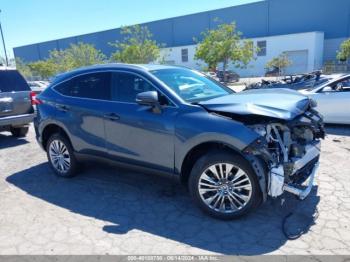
pixel 292 150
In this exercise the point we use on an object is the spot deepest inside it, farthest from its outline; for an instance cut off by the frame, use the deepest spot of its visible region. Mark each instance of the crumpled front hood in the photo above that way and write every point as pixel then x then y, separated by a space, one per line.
pixel 284 104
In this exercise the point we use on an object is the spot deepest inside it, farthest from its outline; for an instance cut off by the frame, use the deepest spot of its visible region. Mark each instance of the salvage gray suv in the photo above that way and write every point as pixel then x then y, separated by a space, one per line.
pixel 232 150
pixel 16 103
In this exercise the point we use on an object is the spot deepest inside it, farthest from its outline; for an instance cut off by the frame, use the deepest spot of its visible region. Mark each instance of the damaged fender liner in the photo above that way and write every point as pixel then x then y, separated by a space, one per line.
pixel 259 157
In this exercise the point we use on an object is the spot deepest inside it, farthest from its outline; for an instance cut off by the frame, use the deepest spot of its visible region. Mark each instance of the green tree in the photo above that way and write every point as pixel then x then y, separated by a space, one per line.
pixel 77 55
pixel 344 53
pixel 225 45
pixel 23 68
pixel 137 46
pixel 281 62
pixel 44 69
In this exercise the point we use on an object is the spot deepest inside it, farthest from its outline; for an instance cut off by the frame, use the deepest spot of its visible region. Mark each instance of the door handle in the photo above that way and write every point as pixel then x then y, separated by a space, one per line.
pixel 62 108
pixel 112 116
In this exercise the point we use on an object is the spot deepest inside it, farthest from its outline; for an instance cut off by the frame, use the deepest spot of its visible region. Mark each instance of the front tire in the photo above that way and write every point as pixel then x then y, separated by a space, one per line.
pixel 19 131
pixel 61 156
pixel 224 185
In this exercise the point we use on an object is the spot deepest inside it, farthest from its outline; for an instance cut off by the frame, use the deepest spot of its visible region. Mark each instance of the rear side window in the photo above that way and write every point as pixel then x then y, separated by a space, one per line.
pixel 12 81
pixel 94 86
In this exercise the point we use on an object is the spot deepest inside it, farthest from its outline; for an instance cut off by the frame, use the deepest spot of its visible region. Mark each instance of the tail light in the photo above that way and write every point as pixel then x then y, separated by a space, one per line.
pixel 34 100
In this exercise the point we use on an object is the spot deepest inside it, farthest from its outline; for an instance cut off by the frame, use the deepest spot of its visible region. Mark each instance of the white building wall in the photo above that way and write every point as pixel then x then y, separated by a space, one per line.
pixel 319 50
pixel 312 42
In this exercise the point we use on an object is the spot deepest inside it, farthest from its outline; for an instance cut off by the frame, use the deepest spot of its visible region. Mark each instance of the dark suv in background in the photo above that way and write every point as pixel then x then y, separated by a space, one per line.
pixel 16 103
pixel 232 150
pixel 231 76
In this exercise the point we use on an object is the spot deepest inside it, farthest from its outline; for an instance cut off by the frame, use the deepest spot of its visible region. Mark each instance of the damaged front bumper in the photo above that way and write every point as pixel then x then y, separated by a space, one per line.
pixel 302 193
pixel 300 181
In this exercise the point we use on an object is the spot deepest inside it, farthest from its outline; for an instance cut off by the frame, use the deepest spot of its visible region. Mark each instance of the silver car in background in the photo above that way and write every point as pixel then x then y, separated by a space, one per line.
pixel 333 99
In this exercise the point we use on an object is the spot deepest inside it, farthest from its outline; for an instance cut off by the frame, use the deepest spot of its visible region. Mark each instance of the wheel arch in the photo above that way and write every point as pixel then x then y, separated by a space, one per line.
pixel 51 129
pixel 198 151
pixel 257 164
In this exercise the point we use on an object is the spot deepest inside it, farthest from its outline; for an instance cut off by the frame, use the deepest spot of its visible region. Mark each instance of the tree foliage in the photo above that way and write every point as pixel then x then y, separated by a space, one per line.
pixel 281 62
pixel 23 68
pixel 225 45
pixel 44 69
pixel 137 46
pixel 344 53
pixel 77 55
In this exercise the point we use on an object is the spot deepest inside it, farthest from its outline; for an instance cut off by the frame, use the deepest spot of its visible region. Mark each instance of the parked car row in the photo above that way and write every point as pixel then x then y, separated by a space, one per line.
pixel 231 76
pixel 295 82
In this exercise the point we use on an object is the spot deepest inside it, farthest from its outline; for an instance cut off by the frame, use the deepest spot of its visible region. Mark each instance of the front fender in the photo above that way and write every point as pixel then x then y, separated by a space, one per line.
pixel 198 127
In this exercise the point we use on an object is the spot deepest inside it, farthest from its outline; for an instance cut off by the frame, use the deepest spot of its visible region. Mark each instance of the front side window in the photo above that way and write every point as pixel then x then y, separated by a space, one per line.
pixel 191 85
pixel 93 86
pixel 126 86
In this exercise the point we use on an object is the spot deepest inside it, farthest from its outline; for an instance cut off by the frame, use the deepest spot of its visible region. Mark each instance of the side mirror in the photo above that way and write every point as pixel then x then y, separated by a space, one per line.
pixel 327 89
pixel 149 98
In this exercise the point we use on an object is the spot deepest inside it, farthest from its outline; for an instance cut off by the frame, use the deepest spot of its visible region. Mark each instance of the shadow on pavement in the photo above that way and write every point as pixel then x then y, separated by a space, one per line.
pixel 339 130
pixel 161 207
pixel 10 141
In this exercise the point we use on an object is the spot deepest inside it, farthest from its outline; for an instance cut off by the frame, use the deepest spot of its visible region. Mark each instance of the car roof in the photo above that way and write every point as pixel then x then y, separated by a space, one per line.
pixel 111 66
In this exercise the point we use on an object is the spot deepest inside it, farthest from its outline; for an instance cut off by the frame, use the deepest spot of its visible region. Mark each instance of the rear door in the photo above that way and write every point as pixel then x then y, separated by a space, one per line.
pixel 14 94
pixel 81 107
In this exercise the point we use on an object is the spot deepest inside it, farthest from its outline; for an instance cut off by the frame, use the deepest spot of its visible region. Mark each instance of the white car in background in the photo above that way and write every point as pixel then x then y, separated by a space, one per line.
pixel 38 86
pixel 333 99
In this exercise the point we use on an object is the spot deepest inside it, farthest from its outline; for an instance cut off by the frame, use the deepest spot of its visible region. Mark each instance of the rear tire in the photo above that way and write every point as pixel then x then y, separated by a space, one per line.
pixel 61 156
pixel 224 185
pixel 19 131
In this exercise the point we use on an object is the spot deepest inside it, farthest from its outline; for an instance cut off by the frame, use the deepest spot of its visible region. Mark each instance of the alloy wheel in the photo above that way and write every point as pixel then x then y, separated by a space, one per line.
pixel 225 188
pixel 59 156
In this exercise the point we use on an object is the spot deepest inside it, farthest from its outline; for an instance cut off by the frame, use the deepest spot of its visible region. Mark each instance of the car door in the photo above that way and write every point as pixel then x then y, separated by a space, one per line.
pixel 81 107
pixel 137 134
pixel 333 101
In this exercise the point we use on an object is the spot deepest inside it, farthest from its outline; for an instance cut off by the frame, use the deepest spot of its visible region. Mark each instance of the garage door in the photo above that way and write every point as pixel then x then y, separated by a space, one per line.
pixel 299 62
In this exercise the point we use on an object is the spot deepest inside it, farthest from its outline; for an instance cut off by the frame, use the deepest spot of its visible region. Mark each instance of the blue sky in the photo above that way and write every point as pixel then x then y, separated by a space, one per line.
pixel 30 21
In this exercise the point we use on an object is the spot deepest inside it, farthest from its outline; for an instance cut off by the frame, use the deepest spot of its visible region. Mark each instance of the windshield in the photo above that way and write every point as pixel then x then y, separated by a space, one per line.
pixel 191 85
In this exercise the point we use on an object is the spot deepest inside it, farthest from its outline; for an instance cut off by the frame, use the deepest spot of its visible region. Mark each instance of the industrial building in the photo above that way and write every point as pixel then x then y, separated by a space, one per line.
pixel 308 31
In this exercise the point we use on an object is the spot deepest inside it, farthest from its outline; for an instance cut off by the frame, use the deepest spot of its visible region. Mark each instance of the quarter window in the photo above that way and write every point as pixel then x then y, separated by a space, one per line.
pixel 94 86
pixel 261 48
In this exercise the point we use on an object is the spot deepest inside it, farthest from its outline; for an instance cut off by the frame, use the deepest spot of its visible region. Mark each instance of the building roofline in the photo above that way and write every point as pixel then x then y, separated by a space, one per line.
pixel 144 23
